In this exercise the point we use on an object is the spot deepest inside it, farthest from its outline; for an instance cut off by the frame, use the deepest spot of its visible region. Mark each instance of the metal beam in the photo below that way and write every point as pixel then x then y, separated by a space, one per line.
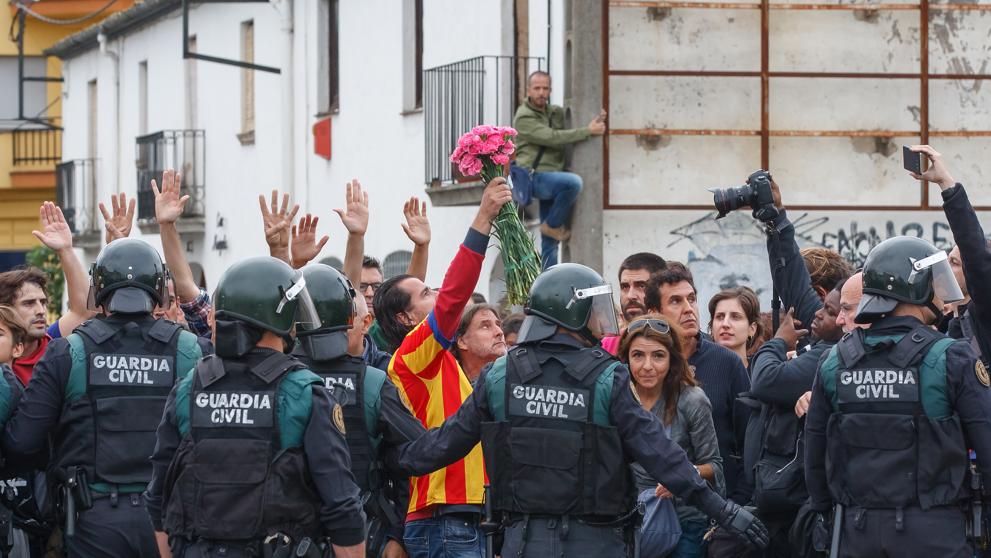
pixel 219 60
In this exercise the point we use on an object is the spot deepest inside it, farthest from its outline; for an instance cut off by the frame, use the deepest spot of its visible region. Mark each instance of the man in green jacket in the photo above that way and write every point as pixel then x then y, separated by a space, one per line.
pixel 540 146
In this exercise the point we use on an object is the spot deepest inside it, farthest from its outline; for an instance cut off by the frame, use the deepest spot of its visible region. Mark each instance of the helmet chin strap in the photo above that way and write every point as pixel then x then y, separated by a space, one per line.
pixel 937 312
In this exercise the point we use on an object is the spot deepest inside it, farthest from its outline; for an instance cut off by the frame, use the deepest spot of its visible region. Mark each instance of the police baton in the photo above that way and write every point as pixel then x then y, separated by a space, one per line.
pixel 834 545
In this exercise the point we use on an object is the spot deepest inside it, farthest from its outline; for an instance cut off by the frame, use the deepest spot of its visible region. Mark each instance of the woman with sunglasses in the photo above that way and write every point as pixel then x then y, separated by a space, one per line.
pixel 667 388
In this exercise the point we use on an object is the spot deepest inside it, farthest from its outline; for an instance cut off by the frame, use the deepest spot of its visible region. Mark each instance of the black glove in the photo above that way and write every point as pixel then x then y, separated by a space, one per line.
pixel 821 533
pixel 740 522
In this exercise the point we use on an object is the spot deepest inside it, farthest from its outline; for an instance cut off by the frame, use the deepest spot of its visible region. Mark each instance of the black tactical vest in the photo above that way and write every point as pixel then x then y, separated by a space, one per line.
pixel 883 450
pixel 344 377
pixel 547 454
pixel 231 479
pixel 130 370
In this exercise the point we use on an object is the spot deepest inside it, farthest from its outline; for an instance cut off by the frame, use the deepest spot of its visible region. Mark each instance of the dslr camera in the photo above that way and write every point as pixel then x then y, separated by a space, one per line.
pixel 755 194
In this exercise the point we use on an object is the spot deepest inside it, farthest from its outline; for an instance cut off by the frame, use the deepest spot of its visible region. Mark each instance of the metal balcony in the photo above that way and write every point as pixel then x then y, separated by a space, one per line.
pixel 75 193
pixel 182 150
pixel 37 146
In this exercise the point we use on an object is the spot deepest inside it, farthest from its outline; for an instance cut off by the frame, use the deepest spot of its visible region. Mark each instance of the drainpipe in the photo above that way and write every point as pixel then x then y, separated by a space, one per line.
pixel 288 106
pixel 101 38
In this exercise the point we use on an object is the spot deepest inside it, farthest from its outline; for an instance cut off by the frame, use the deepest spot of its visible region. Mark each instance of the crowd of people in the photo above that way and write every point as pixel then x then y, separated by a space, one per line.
pixel 303 410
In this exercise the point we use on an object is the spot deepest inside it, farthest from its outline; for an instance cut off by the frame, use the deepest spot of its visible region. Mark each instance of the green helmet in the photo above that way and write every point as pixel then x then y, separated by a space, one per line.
pixel 572 296
pixel 905 269
pixel 266 293
pixel 128 277
pixel 333 298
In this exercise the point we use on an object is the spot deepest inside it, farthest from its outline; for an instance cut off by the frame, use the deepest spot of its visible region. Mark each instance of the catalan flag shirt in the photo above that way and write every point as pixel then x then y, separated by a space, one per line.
pixel 431 381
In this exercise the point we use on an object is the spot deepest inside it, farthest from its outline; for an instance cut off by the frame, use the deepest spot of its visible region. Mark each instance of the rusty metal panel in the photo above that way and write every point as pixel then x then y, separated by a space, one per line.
pixel 662 38
pixel 676 170
pixel 844 104
pixel 684 102
pixel 844 41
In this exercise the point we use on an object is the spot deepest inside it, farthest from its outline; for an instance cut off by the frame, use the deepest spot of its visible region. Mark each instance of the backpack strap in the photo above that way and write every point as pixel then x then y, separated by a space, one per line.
pixel 851 349
pixel 594 360
pixel 525 363
pixel 272 367
pixel 96 330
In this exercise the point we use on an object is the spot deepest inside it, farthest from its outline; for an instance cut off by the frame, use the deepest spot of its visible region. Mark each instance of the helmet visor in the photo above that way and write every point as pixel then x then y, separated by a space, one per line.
pixel 602 320
pixel 306 312
pixel 944 282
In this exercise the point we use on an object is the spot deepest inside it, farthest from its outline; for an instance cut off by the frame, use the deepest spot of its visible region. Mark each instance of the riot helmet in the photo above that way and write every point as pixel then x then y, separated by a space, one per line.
pixel 260 294
pixel 128 277
pixel 906 269
pixel 333 297
pixel 572 296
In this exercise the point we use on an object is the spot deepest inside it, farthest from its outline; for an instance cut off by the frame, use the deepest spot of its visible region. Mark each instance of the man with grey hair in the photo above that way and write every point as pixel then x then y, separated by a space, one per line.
pixel 540 147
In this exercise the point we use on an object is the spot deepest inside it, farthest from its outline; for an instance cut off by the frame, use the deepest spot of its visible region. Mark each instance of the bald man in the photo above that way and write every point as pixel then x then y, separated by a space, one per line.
pixel 850 295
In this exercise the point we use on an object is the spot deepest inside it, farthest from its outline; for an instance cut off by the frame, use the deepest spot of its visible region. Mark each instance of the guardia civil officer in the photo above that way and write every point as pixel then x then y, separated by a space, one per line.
pixel 558 423
pixel 375 417
pixel 893 410
pixel 251 458
pixel 98 395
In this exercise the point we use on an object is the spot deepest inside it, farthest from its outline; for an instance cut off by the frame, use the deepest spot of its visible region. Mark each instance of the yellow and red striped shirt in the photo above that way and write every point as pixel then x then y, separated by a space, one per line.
pixel 432 383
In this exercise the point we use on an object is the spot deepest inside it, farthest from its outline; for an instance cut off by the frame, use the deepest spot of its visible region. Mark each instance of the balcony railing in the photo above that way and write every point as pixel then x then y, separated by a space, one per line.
pixel 37 146
pixel 182 150
pixel 464 94
pixel 75 193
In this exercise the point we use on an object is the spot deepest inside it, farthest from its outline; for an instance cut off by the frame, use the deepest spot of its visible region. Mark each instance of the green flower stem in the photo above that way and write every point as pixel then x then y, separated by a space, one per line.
pixel 519 256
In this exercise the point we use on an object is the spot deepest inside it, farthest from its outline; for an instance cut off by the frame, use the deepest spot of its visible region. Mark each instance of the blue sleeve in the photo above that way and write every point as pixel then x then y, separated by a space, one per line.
pixel 971 399
pixel 26 434
pixel 793 281
pixel 976 257
pixel 53 331
pixel 779 381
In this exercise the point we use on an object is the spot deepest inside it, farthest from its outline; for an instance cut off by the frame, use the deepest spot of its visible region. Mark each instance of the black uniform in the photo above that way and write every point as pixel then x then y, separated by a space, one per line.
pixel 558 473
pixel 258 465
pixel 974 324
pixel 98 395
pixel 377 425
pixel 887 435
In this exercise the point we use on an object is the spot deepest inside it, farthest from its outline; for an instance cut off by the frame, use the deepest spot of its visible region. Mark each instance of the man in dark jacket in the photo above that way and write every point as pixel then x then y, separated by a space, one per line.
pixel 974 318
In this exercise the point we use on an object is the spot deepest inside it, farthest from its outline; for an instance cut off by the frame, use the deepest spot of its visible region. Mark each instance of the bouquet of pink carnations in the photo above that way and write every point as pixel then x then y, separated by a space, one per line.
pixel 485 151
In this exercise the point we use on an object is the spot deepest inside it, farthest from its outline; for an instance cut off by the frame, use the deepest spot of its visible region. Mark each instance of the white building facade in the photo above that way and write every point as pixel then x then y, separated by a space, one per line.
pixel 133 106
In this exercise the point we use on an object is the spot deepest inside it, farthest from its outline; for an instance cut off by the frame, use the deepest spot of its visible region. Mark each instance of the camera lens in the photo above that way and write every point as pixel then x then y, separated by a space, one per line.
pixel 730 199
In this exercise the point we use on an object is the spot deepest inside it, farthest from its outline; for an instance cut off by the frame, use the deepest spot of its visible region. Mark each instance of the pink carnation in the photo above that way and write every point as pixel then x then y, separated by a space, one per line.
pixel 500 159
pixel 483 143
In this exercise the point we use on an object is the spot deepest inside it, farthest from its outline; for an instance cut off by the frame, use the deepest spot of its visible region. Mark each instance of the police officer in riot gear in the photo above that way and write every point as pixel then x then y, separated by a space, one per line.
pixel 98 395
pixel 894 409
pixel 251 457
pixel 374 415
pixel 558 422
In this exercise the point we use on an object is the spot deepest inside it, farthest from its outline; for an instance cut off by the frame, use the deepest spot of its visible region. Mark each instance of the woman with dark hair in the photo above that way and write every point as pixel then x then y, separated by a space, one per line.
pixel 735 322
pixel 666 386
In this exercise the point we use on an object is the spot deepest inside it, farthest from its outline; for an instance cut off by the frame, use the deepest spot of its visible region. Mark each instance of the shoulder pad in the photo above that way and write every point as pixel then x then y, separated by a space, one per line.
pixel 274 366
pixel 210 369
pixel 851 348
pixel 163 330
pixel 913 344
pixel 525 362
pixel 592 360
pixel 96 330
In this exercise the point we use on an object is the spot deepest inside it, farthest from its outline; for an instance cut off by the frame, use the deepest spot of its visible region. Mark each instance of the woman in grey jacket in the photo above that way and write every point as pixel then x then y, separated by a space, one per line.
pixel 667 388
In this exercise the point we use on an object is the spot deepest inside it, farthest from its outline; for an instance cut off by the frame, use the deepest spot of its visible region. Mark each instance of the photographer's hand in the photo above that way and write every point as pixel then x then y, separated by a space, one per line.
pixel 789 331
pixel 937 171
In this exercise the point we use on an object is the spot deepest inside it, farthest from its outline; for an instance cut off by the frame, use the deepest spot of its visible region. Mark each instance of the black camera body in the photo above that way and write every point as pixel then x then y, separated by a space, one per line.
pixel 755 194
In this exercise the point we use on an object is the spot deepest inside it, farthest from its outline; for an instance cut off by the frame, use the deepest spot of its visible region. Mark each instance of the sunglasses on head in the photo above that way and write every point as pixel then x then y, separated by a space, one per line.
pixel 659 326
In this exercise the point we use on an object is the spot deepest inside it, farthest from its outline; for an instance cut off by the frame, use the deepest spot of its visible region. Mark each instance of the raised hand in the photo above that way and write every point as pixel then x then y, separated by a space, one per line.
pixel 304 247
pixel 277 220
pixel 417 226
pixel 55 232
pixel 119 223
pixel 168 203
pixel 789 331
pixel 355 214
pixel 937 171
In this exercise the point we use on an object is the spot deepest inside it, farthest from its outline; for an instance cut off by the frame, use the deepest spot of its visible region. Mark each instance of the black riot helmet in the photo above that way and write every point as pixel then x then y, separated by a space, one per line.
pixel 333 298
pixel 905 269
pixel 572 296
pixel 255 295
pixel 128 277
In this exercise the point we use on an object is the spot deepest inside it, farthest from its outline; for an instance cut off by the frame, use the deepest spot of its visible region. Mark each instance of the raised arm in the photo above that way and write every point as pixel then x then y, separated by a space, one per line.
pixel 55 234
pixel 168 208
pixel 354 216
pixel 305 247
pixel 276 221
pixel 118 224
pixel 417 228
pixel 793 281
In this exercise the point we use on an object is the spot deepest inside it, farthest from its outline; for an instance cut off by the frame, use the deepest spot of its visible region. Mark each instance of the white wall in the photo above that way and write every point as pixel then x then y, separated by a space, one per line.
pixel 371 139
